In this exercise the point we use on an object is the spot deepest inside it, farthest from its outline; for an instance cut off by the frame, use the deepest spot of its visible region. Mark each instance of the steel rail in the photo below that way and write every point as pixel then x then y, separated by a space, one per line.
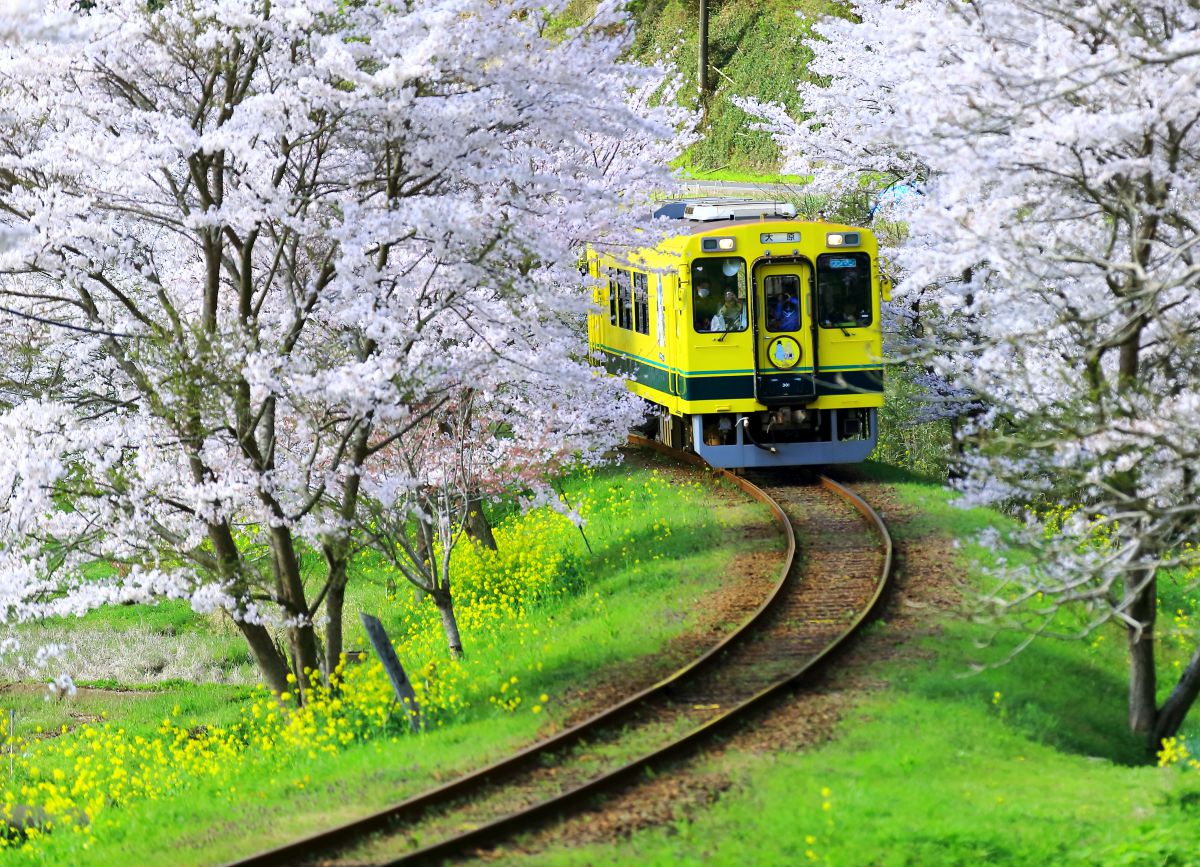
pixel 514 821
pixel 339 836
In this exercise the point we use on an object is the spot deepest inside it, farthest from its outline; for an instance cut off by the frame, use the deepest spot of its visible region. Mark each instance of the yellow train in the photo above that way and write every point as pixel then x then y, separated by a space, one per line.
pixel 757 336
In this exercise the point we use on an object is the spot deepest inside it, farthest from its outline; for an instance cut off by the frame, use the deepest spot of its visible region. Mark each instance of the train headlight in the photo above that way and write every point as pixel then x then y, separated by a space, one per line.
pixel 843 239
pixel 717 245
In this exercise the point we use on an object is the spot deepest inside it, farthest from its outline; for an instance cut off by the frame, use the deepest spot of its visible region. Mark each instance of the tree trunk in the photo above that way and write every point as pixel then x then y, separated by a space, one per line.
pixel 479 528
pixel 303 636
pixel 274 667
pixel 1177 705
pixel 337 555
pixel 271 663
pixel 425 555
pixel 445 607
pixel 307 657
pixel 954 467
pixel 1142 699
pixel 335 604
pixel 958 448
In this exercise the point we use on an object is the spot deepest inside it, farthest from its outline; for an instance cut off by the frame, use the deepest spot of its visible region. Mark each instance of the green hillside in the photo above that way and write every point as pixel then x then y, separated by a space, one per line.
pixel 756 48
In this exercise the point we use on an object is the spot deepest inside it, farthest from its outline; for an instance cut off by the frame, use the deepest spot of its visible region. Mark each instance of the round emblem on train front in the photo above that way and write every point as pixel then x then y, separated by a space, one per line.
pixel 784 352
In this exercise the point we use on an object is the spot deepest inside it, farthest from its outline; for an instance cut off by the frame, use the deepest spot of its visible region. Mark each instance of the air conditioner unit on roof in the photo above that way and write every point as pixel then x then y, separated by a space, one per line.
pixel 733 209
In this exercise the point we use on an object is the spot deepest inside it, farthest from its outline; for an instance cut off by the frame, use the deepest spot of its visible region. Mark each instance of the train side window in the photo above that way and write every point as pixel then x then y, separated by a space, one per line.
pixel 781 294
pixel 624 301
pixel 844 290
pixel 612 298
pixel 719 294
pixel 641 304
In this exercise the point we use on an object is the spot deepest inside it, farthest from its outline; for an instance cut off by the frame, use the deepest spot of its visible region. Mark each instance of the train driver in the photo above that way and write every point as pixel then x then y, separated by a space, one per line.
pixel 786 315
pixel 704 306
pixel 731 316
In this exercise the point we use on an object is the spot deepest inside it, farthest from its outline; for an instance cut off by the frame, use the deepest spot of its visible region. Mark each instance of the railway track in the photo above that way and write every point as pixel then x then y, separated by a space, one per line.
pixel 820 599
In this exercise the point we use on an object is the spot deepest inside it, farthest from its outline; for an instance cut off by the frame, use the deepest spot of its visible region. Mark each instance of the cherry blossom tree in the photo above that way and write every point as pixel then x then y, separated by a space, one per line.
pixel 1058 149
pixel 484 441
pixel 256 247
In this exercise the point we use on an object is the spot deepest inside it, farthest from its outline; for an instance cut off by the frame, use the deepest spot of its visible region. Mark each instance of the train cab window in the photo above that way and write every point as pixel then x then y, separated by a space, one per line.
pixel 641 304
pixel 781 292
pixel 844 290
pixel 719 294
pixel 624 300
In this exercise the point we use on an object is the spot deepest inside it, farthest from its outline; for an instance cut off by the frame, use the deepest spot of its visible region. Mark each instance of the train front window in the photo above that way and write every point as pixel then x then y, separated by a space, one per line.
pixel 781 292
pixel 844 290
pixel 719 294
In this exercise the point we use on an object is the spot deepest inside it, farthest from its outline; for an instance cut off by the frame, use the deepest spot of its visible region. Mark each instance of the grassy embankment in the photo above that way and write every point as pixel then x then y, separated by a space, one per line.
pixel 658 547
pixel 756 49
pixel 1023 763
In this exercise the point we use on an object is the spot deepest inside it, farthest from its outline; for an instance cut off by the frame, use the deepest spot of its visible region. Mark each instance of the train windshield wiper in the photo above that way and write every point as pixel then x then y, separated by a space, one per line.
pixel 829 323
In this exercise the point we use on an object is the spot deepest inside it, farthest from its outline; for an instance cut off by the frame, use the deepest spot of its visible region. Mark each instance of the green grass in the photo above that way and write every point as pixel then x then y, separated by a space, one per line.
pixel 742 176
pixel 912 782
pixel 627 607
pixel 1024 762
pixel 169 617
pixel 138 709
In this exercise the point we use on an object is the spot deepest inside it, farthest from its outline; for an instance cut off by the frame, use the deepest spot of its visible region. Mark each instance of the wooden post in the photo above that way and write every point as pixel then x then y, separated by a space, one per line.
pixel 395 672
pixel 703 50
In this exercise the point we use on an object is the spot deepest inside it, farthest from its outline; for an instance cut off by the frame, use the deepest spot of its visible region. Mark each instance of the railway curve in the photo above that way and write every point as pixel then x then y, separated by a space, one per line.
pixel 818 601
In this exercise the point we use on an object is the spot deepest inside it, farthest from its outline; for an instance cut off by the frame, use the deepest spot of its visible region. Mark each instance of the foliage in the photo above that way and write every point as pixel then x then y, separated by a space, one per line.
pixel 545 612
pixel 275 270
pixel 907 437
pixel 1054 230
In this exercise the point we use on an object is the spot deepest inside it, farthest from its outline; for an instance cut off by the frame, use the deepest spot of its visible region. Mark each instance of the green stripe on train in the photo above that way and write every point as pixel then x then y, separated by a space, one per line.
pixel 736 386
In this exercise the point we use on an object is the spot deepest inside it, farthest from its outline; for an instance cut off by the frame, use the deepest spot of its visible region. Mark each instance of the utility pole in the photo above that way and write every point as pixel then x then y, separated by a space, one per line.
pixel 703 50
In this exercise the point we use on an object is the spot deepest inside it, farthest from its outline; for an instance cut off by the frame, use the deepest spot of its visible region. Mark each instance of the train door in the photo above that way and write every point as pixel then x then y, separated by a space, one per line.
pixel 666 333
pixel 784 361
pixel 671 302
